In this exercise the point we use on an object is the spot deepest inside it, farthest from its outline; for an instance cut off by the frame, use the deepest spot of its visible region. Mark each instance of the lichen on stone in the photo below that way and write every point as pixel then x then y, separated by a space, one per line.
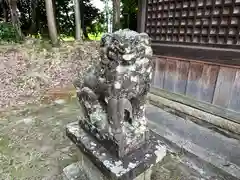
pixel 114 90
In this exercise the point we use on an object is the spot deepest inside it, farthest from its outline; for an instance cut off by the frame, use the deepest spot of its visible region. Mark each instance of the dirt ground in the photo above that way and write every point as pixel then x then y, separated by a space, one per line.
pixel 33 144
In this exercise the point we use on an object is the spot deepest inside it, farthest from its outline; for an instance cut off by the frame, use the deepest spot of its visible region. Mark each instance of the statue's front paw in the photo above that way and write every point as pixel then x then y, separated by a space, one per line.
pixel 99 119
pixel 77 83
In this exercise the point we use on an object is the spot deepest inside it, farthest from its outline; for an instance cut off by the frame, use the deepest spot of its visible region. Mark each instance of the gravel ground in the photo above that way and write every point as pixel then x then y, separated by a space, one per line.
pixel 34 146
pixel 27 71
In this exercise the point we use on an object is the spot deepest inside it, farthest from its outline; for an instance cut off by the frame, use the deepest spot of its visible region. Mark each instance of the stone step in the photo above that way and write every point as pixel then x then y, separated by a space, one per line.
pixel 213 152
pixel 74 172
pixel 170 168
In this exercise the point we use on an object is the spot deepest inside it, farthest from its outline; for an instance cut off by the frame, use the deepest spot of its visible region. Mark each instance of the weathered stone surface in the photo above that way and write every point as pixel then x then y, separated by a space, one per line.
pixel 74 172
pixel 127 168
pixel 114 134
pixel 213 149
pixel 79 171
pixel 114 92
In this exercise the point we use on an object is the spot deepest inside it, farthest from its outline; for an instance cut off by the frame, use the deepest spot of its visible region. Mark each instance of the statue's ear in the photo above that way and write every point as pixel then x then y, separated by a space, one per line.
pixel 144 37
pixel 105 39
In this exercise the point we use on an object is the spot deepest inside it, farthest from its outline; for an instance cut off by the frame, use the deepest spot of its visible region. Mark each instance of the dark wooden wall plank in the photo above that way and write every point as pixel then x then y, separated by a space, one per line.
pixel 170 75
pixel 224 86
pixel 208 82
pixel 159 74
pixel 182 76
pixel 205 54
pixel 235 99
pixel 194 77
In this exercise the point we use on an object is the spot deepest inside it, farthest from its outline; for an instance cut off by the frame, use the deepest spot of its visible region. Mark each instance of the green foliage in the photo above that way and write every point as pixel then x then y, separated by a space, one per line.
pixel 33 20
pixel 8 32
pixel 129 11
pixel 97 28
pixel 89 14
pixel 94 37
pixel 32 15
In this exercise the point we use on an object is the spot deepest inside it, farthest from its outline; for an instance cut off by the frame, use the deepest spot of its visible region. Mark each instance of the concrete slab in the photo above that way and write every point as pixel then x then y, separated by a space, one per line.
pixel 211 147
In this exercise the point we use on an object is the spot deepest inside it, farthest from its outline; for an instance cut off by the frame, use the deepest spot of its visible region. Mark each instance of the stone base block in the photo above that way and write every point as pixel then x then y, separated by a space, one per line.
pixel 87 171
pixel 134 137
pixel 96 163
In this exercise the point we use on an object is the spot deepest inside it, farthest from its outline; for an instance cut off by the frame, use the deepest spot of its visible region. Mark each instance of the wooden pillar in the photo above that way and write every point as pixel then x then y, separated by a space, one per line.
pixel 142 6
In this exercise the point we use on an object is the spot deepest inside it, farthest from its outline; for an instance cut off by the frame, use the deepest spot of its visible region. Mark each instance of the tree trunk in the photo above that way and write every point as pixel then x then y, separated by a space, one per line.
pixel 13 9
pixel 85 33
pixel 4 7
pixel 55 13
pixel 77 20
pixel 51 22
pixel 5 14
pixel 116 15
pixel 33 27
pixel 14 17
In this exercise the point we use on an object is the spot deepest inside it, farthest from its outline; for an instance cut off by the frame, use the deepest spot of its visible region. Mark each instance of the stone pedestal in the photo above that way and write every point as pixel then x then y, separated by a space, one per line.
pixel 86 170
pixel 96 163
pixel 113 138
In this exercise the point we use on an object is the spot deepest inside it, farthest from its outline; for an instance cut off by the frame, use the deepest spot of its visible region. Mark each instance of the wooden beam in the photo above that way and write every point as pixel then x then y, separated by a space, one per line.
pixel 206 54
pixel 205 107
pixel 194 112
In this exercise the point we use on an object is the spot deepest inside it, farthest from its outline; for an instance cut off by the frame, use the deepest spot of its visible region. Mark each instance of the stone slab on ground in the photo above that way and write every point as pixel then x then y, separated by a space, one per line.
pixel 170 168
pixel 78 171
pixel 136 165
pixel 74 172
pixel 211 147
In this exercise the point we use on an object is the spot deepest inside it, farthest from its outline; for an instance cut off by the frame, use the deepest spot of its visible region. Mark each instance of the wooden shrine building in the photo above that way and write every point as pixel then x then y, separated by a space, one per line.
pixel 196 46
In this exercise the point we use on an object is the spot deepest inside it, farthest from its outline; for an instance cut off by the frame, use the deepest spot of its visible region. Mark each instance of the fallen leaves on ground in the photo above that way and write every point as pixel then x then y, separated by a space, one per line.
pixel 28 70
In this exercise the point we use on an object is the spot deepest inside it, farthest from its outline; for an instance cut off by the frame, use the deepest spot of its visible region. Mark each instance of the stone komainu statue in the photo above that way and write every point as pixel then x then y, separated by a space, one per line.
pixel 114 91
